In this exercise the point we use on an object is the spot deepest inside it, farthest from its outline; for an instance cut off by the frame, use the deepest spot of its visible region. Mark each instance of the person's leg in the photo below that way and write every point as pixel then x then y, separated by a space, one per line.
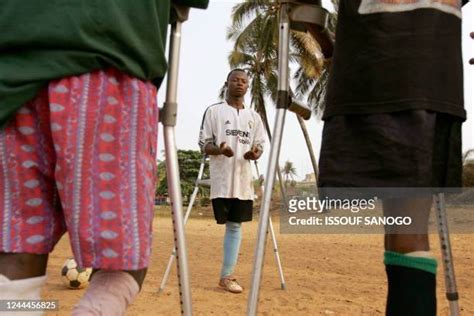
pixel 22 276
pixel 232 240
pixel 30 217
pixel 105 130
pixel 411 269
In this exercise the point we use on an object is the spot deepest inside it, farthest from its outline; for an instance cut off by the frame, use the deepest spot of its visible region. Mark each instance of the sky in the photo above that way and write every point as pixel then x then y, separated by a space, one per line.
pixel 204 67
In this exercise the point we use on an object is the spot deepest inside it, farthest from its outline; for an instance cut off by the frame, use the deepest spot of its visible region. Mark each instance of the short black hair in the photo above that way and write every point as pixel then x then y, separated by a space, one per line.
pixel 234 70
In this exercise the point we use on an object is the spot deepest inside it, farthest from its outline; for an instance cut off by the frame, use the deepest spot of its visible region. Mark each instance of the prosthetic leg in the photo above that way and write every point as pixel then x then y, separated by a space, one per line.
pixel 296 12
pixel 168 119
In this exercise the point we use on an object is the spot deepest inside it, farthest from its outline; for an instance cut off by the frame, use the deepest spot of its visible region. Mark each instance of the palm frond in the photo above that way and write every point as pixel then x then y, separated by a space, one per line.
pixel 248 9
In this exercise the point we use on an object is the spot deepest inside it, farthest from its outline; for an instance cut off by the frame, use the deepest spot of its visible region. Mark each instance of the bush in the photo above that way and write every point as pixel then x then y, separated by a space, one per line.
pixel 204 201
pixel 468 175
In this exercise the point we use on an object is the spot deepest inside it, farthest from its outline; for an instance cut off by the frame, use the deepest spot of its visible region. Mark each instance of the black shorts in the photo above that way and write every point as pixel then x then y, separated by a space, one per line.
pixel 402 149
pixel 233 210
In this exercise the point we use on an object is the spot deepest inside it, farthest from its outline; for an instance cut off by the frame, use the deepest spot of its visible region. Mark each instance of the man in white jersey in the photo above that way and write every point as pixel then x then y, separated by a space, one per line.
pixel 232 135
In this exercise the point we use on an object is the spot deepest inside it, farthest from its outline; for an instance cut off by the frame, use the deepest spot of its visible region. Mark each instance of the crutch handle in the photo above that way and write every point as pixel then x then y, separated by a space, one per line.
pixel 299 109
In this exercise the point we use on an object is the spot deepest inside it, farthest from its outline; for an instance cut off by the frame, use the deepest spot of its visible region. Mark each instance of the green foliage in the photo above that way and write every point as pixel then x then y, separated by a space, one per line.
pixel 468 175
pixel 189 162
pixel 160 174
pixel 204 201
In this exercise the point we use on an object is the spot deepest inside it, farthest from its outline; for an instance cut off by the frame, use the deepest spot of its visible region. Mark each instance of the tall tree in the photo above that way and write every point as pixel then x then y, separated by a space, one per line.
pixel 254 31
pixel 289 172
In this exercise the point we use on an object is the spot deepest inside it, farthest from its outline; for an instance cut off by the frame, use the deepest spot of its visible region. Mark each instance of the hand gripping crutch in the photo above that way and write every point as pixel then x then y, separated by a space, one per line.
pixel 313 14
pixel 186 216
pixel 447 256
pixel 272 234
pixel 168 119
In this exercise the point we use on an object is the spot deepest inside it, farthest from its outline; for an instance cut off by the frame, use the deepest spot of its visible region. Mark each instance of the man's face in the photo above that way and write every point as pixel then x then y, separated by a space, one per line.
pixel 237 84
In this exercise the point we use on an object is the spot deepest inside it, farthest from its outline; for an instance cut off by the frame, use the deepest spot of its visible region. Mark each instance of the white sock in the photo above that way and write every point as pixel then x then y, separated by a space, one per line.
pixel 109 293
pixel 22 289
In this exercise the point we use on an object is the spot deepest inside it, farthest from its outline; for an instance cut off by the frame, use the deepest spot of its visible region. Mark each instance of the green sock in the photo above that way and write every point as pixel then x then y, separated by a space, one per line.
pixel 420 263
pixel 411 285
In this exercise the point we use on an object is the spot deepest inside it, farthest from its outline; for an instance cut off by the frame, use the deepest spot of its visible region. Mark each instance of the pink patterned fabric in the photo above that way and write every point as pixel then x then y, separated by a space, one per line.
pixel 81 157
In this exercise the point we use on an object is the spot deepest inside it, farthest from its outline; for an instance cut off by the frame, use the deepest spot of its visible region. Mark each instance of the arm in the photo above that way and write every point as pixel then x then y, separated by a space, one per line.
pixel 207 138
pixel 258 141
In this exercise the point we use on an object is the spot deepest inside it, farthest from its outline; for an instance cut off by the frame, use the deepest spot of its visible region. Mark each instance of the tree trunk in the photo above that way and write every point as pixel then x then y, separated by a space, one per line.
pixel 310 147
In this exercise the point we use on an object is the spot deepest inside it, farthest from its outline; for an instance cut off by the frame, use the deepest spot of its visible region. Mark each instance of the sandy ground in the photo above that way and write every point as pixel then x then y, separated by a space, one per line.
pixel 325 274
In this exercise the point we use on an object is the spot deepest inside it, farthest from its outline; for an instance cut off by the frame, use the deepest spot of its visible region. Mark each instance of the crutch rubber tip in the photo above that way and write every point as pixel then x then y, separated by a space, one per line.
pixel 283 286
pixel 452 296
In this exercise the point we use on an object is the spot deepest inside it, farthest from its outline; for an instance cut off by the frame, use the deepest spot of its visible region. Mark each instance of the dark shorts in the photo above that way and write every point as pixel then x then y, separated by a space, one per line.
pixel 233 210
pixel 401 149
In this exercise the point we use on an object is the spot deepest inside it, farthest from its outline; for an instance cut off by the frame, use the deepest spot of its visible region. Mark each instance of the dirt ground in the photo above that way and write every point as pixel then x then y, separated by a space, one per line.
pixel 325 274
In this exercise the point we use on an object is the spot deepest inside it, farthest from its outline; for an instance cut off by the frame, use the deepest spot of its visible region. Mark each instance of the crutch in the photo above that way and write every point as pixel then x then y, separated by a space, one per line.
pixel 313 14
pixel 198 182
pixel 168 119
pixel 447 256
pixel 272 234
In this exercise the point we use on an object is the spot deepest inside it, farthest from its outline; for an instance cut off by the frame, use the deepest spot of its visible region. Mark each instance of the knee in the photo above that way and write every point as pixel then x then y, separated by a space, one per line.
pixel 233 226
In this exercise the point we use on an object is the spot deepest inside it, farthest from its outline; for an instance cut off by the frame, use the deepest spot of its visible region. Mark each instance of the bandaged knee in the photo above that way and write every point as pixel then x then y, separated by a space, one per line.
pixel 109 293
pixel 22 289
pixel 411 283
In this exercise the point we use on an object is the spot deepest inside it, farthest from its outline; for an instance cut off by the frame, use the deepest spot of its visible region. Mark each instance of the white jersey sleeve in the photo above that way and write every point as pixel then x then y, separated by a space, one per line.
pixel 259 137
pixel 207 131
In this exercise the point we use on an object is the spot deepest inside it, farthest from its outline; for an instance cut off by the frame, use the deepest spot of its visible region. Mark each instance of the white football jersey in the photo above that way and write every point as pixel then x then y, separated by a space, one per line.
pixel 240 129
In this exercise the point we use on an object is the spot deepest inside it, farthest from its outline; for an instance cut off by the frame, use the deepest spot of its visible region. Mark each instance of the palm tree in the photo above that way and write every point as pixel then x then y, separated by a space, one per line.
pixel 255 50
pixel 289 171
pixel 255 55
pixel 258 58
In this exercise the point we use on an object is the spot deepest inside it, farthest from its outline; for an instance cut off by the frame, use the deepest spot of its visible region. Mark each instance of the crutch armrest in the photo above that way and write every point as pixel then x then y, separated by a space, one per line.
pixel 179 13
pixel 312 17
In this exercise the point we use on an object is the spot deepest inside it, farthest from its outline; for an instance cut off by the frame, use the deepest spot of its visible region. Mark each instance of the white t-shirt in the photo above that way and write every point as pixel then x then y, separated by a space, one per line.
pixel 240 129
